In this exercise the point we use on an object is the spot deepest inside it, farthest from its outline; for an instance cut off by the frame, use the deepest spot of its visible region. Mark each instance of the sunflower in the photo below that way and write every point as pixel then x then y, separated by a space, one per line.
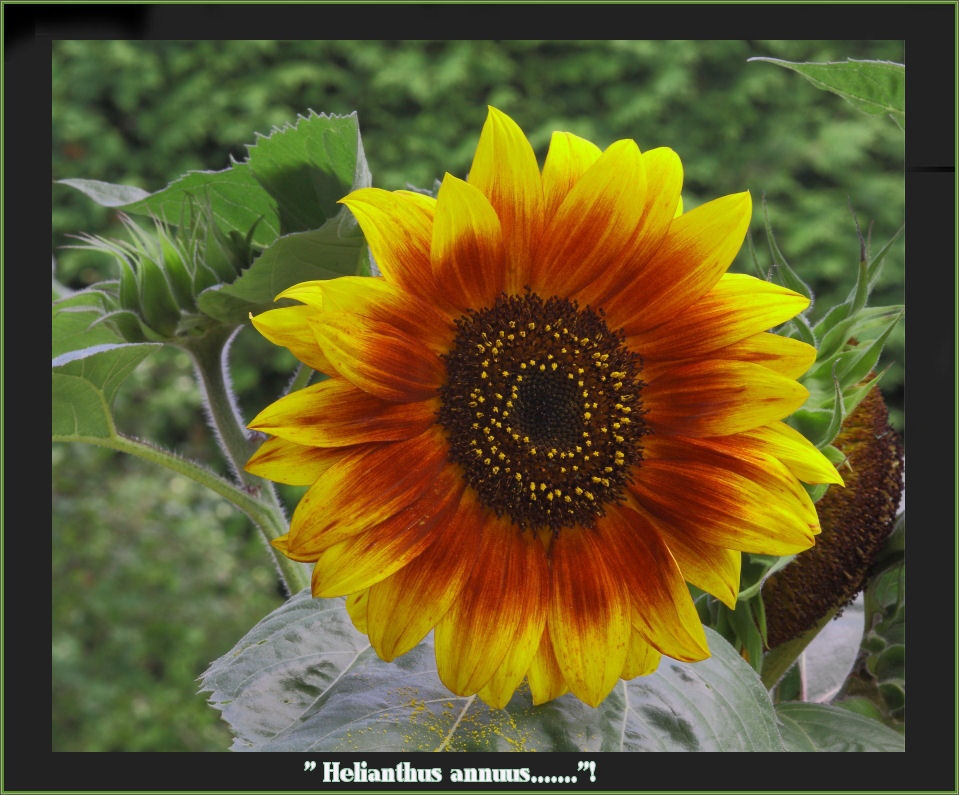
pixel 553 410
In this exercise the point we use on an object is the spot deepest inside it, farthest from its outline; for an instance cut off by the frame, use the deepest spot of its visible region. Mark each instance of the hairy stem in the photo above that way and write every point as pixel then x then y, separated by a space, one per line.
pixel 209 354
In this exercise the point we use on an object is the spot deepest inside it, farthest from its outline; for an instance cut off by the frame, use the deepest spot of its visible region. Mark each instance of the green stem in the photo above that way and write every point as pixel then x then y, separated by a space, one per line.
pixel 268 520
pixel 209 354
pixel 301 378
pixel 778 661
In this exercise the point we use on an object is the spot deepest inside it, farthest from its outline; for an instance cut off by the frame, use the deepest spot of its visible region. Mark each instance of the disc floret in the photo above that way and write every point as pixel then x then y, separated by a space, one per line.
pixel 542 407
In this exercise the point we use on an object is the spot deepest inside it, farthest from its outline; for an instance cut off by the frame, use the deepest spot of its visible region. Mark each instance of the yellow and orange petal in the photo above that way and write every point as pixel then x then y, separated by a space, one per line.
pixel 553 411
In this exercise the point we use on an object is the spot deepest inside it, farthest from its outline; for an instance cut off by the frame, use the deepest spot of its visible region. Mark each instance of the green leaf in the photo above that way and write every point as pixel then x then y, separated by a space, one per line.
pixel 747 632
pixel 859 362
pixel 335 249
pixel 305 679
pixel 876 87
pixel 106 194
pixel 862 706
pixel 85 383
pixel 818 727
pixel 237 200
pixel 892 663
pixel 75 322
pixel 308 167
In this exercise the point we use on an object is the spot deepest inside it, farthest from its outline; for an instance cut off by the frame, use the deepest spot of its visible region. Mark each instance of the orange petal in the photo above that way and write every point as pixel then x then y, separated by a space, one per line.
pixel 493 620
pixel 664 181
pixel 288 462
pixel 500 688
pixel 364 488
pixel 712 398
pixel 695 252
pixel 334 413
pixel 641 659
pixel 376 300
pixel 568 158
pixel 737 307
pixel 593 227
pixel 784 355
pixel 545 679
pixel 356 605
pixel 729 502
pixel 290 327
pixel 662 609
pixel 588 614
pixel 467 251
pixel 369 557
pixel 505 170
pixel 405 607
pixel 378 358
pixel 708 567
pixel 398 227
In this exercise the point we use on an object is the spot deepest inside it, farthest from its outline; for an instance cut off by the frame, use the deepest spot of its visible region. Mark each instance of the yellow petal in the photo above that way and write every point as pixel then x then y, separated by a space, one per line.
pixel 290 327
pixel 505 170
pixel 723 500
pixel 545 679
pixel 714 398
pixel 589 615
pixel 379 358
pixel 641 659
pixel 798 454
pixel 594 226
pixel 661 607
pixel 406 606
pixel 500 688
pixel 334 413
pixel 467 249
pixel 784 355
pixel 710 568
pixel 356 606
pixel 373 555
pixel 497 610
pixel 365 487
pixel 568 158
pixel 296 464
pixel 398 228
pixel 695 252
pixel 738 307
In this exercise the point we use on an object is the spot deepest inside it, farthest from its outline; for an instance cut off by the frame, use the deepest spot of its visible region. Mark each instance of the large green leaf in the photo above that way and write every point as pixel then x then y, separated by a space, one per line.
pixel 308 167
pixel 335 249
pixel 85 383
pixel 237 200
pixel 75 321
pixel 305 679
pixel 818 727
pixel 877 87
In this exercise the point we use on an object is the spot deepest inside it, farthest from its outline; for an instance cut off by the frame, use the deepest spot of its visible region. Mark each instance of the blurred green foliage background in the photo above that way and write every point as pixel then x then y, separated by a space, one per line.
pixel 153 577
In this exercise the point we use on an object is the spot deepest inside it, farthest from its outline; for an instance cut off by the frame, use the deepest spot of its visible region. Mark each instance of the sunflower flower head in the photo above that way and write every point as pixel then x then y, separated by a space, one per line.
pixel 856 521
pixel 553 410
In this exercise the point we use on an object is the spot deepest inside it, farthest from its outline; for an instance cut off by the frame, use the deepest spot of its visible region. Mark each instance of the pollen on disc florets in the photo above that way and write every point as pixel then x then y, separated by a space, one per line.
pixel 542 407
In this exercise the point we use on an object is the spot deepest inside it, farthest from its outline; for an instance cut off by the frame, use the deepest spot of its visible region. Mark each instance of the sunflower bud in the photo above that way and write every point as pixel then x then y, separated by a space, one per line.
pixel 164 269
pixel 855 520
